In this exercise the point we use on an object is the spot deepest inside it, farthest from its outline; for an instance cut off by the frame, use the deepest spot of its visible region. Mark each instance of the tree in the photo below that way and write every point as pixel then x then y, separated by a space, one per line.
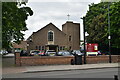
pixel 115 24
pixel 97 24
pixel 14 15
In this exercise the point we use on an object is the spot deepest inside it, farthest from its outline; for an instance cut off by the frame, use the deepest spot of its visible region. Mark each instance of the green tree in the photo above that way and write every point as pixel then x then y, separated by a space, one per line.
pixel 97 24
pixel 115 24
pixel 14 15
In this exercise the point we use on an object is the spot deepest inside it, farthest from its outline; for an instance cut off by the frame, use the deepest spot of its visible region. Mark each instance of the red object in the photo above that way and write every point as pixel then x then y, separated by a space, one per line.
pixel 41 53
pixel 92 47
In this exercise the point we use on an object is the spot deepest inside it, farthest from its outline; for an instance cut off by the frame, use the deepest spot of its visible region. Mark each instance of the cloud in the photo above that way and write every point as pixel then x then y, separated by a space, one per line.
pixel 55 12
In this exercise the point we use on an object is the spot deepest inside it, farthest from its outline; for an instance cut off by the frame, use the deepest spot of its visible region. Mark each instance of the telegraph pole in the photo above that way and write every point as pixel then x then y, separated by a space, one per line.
pixel 109 37
pixel 84 40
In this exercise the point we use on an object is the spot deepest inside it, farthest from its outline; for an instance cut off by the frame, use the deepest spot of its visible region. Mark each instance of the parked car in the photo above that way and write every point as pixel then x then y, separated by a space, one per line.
pixel 59 53
pixel 34 52
pixel 64 53
pixel 41 53
pixel 103 52
pixel 17 50
pixel 77 52
pixel 50 53
pixel 3 52
pixel 23 53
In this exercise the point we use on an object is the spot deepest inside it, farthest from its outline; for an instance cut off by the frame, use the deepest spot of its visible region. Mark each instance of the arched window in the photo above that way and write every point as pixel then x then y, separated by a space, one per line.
pixel 50 36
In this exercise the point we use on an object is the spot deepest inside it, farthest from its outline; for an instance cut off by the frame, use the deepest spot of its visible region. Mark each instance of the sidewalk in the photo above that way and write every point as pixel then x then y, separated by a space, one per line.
pixel 69 67
pixel 47 68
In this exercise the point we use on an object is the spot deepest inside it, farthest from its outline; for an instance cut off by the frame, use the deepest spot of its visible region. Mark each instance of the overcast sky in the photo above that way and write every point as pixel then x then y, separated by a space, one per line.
pixel 56 11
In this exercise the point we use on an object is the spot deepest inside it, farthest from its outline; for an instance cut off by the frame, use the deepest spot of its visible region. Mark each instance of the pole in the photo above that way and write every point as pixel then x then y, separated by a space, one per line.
pixel 84 41
pixel 109 37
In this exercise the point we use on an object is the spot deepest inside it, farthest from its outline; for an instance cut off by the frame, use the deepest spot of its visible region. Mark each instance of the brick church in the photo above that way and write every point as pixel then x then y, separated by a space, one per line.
pixel 52 38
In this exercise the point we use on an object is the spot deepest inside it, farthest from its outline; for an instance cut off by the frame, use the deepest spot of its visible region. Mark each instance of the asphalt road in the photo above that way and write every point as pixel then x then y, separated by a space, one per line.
pixel 91 73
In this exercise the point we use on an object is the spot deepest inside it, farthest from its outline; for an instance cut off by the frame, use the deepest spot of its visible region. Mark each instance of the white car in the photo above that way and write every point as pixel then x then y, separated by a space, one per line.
pixel 64 53
pixel 50 53
pixel 3 52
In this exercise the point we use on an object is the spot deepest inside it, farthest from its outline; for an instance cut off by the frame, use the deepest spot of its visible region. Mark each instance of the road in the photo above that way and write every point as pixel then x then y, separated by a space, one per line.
pixel 90 73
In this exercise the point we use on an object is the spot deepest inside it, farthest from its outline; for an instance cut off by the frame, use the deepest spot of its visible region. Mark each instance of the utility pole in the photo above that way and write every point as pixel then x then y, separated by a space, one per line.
pixel 84 40
pixel 109 37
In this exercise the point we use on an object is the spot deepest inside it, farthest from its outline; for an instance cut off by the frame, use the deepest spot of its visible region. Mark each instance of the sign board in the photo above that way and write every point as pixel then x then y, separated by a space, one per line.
pixel 92 48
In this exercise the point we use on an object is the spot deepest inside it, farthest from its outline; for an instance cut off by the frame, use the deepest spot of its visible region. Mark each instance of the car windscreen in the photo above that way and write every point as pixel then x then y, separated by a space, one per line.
pixel 66 53
pixel 78 52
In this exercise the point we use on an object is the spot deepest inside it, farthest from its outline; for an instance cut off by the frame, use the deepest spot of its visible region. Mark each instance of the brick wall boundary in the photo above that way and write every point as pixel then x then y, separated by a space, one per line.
pixel 60 60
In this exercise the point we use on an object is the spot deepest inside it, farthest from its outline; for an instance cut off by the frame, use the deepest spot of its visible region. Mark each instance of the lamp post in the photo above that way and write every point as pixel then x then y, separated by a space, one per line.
pixel 84 40
pixel 109 37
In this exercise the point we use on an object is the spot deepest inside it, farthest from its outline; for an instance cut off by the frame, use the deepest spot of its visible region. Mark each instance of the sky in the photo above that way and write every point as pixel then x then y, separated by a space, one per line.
pixel 56 11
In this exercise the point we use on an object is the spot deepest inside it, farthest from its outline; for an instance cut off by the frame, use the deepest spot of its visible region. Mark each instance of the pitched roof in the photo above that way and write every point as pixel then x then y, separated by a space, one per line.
pixel 48 25
pixel 45 27
pixel 21 45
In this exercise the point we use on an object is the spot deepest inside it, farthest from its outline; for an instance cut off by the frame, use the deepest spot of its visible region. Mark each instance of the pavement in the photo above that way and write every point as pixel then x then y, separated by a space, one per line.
pixel 48 68
pixel 69 67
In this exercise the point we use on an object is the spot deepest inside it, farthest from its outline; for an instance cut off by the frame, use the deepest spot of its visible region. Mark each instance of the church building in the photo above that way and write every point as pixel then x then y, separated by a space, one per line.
pixel 52 38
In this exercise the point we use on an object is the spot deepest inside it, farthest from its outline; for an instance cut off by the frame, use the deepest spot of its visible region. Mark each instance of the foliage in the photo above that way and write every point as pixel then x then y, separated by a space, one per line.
pixel 97 24
pixel 14 15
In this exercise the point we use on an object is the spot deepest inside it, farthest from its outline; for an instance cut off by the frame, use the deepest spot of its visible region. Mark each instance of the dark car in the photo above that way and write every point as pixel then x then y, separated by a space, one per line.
pixel 23 53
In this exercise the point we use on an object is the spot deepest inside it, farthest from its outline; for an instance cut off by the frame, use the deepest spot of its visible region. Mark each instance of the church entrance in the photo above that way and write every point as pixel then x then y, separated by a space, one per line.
pixel 52 47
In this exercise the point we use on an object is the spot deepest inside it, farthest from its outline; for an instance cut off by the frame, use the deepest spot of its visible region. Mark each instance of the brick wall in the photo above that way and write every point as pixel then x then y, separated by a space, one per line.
pixel 17 59
pixel 36 60
pixel 49 60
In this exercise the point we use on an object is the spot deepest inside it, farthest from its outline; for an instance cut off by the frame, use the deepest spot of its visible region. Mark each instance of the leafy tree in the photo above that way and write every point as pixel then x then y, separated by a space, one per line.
pixel 115 24
pixel 97 24
pixel 14 15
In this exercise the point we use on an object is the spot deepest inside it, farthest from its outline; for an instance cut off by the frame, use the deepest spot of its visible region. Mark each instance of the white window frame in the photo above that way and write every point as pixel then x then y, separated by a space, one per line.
pixel 53 35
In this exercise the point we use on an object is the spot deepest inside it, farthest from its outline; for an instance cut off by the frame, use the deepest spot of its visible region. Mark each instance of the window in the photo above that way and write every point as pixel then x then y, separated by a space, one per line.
pixel 36 47
pixel 62 48
pixel 39 47
pixel 70 38
pixel 50 36
pixel 42 47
